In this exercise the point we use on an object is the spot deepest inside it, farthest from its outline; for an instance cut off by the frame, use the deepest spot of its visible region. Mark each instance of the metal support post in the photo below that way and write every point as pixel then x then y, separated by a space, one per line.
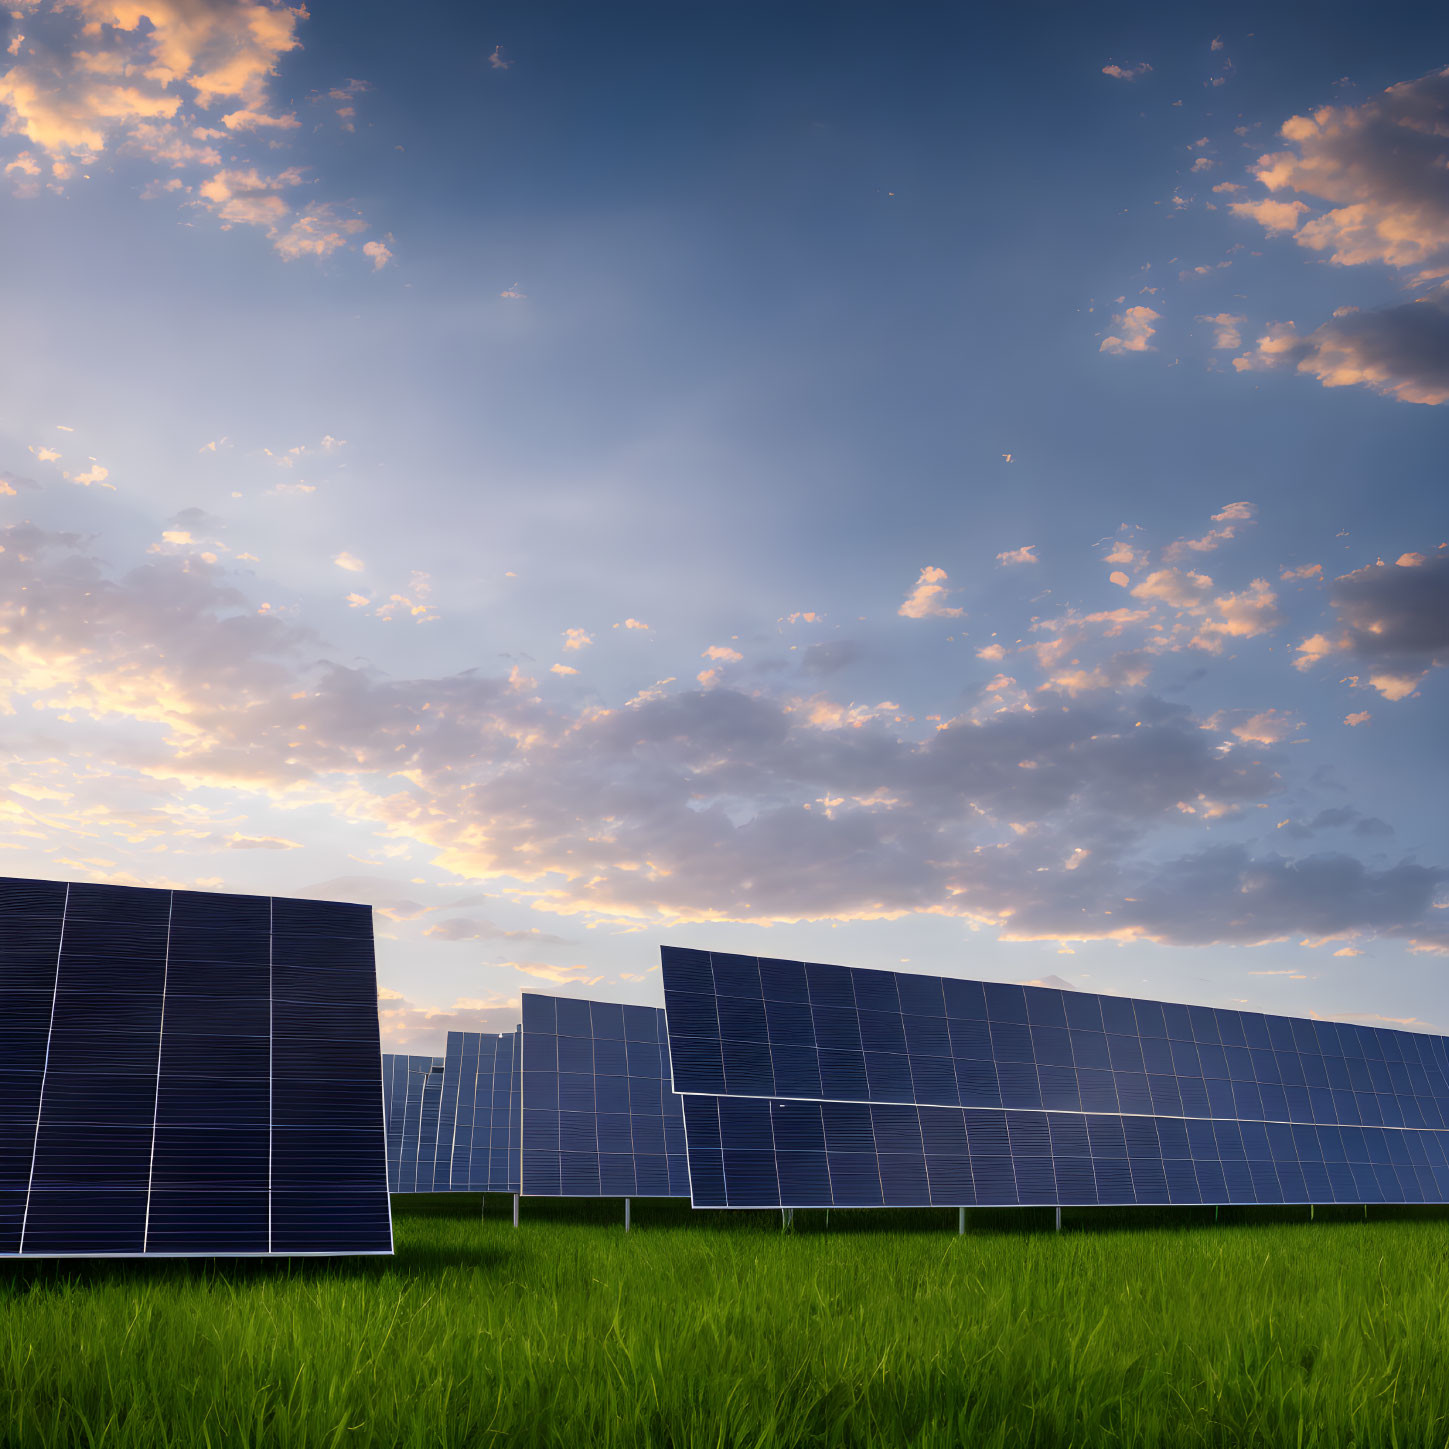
pixel 1310 1212
pixel 961 1222
pixel 1059 1219
pixel 626 1214
pixel 515 1210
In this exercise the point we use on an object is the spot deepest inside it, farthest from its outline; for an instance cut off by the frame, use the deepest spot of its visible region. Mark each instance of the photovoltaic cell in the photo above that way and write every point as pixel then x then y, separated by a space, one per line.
pixel 1168 1103
pixel 599 1118
pixel 187 1073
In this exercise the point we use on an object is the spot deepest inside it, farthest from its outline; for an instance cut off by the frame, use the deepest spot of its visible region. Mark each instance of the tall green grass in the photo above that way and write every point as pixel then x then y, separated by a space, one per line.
pixel 884 1329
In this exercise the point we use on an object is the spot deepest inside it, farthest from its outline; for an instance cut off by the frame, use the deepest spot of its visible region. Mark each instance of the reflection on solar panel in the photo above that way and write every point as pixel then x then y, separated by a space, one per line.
pixel 814 1085
pixel 453 1121
pixel 599 1119
pixel 184 1073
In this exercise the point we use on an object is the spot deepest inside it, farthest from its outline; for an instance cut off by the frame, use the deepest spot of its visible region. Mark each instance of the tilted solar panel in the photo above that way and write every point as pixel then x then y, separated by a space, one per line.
pixel 406 1081
pixel 187 1073
pixel 453 1121
pixel 485 1123
pixel 599 1118
pixel 1173 1103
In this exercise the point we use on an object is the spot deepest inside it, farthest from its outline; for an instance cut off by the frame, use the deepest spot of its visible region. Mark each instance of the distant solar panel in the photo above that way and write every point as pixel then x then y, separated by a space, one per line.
pixel 187 1073
pixel 599 1119
pixel 407 1081
pixel 823 1085
pixel 485 1121
pixel 453 1121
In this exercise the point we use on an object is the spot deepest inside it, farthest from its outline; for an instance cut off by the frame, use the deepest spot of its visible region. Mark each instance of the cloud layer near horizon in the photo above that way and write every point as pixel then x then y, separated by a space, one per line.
pixel 1082 807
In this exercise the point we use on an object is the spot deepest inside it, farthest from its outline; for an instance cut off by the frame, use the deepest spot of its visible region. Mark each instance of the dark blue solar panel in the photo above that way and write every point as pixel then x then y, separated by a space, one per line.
pixel 411 1083
pixel 487 1127
pixel 744 1029
pixel 453 1121
pixel 599 1118
pixel 186 1073
pixel 749 1152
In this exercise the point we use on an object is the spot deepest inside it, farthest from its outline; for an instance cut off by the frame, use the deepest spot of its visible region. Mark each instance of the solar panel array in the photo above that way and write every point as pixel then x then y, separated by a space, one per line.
pixel 818 1085
pixel 453 1121
pixel 599 1118
pixel 187 1073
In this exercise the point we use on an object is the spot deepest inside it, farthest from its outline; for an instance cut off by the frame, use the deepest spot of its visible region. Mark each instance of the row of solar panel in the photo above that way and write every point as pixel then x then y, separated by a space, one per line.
pixel 183 1072
pixel 927 999
pixel 497 1114
pixel 746 1152
pixel 743 1026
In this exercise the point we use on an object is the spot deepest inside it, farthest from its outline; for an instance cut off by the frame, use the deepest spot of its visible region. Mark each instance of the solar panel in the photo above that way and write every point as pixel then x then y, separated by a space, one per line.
pixel 485 1124
pixel 453 1121
pixel 599 1118
pixel 793 1070
pixel 187 1073
pixel 407 1081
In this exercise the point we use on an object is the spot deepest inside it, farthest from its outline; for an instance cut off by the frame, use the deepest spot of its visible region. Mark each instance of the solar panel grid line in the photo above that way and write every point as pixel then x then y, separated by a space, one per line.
pixel 156 1103
pixel 45 1071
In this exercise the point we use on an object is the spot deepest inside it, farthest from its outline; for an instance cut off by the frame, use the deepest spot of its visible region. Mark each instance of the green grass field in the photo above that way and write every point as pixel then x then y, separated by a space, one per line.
pixel 708 1329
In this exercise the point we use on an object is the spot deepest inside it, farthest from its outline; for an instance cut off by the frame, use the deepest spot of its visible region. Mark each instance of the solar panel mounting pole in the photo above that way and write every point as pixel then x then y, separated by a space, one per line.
pixel 961 1223
pixel 1059 1218
pixel 515 1210
pixel 626 1214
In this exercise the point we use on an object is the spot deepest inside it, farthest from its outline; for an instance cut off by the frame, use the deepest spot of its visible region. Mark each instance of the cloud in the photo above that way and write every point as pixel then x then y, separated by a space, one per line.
pixel 1267 727
pixel 350 562
pixel 1126 72
pixel 496 60
pixel 829 657
pixel 1401 352
pixel 928 599
pixel 1303 571
pixel 379 252
pixel 1358 717
pixel 1231 518
pixel 576 639
pixel 722 653
pixel 1393 619
pixel 469 928
pixel 1135 329
pixel 1276 217
pixel 404 1025
pixel 165 80
pixel 1380 166
pixel 1026 554
pixel 634 624
pixel 562 669
pixel 1227 334
pixel 681 804
pixel 1181 590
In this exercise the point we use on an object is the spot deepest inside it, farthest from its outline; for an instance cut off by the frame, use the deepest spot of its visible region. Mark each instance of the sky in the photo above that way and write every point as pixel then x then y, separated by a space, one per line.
pixel 912 487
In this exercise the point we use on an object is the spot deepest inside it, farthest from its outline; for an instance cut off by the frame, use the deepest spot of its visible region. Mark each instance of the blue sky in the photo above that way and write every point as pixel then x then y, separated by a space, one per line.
pixel 913 489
